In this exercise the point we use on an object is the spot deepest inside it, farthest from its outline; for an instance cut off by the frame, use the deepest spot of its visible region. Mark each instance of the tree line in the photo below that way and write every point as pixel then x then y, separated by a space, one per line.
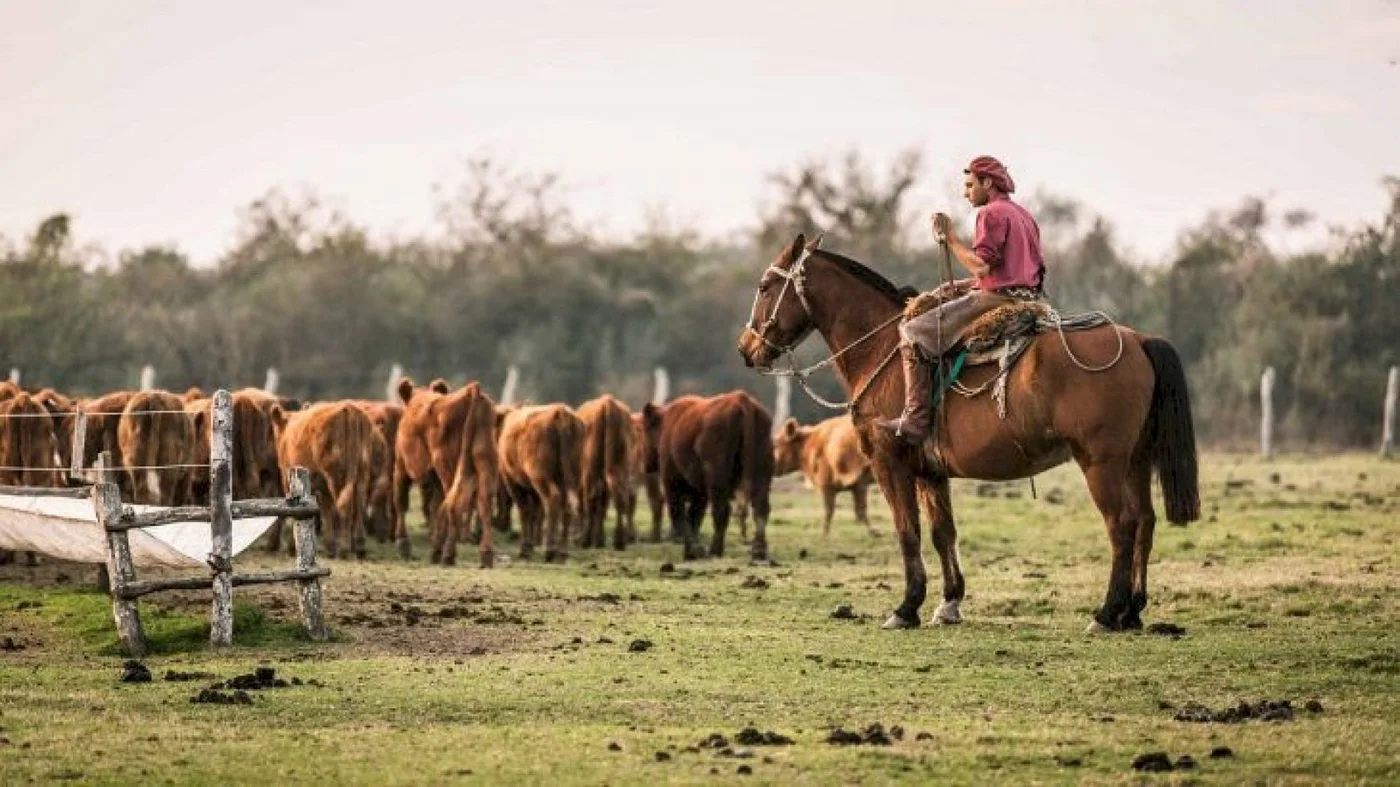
pixel 511 277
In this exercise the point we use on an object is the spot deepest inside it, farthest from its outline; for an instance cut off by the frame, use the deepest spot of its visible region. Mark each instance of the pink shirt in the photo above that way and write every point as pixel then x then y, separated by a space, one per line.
pixel 1008 241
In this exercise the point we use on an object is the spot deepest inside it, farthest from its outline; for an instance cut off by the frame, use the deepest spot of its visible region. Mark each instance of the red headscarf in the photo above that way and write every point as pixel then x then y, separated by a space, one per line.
pixel 988 167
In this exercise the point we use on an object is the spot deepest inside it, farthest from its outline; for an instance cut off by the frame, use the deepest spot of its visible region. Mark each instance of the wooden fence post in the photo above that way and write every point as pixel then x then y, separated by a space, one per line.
pixel 661 386
pixel 1266 419
pixel 221 525
pixel 102 474
pixel 391 391
pixel 782 405
pixel 304 533
pixel 1392 393
pixel 272 380
pixel 14 375
pixel 107 500
pixel 511 384
pixel 79 446
pixel 148 378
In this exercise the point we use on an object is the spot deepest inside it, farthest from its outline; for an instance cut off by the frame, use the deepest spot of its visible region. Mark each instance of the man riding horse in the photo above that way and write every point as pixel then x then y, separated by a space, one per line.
pixel 1006 260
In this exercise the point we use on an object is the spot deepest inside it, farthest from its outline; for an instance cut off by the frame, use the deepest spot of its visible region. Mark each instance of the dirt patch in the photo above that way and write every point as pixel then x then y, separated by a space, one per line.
pixel 873 735
pixel 750 736
pixel 844 612
pixel 1264 710
pixel 135 672
pixel 1159 762
pixel 216 697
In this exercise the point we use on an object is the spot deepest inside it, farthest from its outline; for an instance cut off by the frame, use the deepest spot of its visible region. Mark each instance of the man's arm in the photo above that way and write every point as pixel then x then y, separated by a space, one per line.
pixel 943 228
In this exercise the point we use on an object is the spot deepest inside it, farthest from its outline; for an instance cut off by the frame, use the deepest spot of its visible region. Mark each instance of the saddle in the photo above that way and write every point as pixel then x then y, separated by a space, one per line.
pixel 1001 336
pixel 986 338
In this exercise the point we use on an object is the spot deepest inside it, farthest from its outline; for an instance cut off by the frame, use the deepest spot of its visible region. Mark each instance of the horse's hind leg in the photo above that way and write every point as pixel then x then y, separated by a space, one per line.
pixel 937 500
pixel 1108 484
pixel 1140 494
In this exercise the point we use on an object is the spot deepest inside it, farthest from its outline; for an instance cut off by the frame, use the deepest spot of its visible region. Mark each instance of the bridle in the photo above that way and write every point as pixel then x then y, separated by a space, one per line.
pixel 795 278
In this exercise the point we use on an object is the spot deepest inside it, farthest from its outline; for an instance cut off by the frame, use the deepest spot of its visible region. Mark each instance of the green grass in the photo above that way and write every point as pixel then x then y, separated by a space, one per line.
pixel 523 674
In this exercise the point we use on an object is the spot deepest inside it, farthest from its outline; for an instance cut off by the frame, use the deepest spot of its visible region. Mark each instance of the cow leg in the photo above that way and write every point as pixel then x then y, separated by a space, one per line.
pixel 759 505
pixel 529 508
pixel 556 508
pixel 694 516
pixel 828 493
pixel 719 512
pixel 624 504
pixel 859 493
pixel 402 486
pixel 484 497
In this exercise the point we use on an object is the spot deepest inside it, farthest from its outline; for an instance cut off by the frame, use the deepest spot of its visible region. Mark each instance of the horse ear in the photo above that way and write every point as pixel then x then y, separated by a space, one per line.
pixel 798 244
pixel 790 427
pixel 816 243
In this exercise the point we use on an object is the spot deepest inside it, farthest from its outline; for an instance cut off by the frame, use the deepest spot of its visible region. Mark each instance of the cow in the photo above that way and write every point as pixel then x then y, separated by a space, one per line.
pixel 27 450
pixel 540 454
pixel 831 461
pixel 157 441
pixel 386 417
pixel 334 442
pixel 104 415
pixel 447 438
pixel 63 411
pixel 707 450
pixel 605 475
pixel 28 454
pixel 648 479
pixel 413 458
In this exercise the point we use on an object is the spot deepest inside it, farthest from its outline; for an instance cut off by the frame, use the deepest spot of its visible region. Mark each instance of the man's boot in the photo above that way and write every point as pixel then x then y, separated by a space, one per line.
pixel 912 426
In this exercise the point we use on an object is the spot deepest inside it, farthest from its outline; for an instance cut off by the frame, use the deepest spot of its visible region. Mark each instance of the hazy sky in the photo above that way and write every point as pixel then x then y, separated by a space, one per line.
pixel 152 122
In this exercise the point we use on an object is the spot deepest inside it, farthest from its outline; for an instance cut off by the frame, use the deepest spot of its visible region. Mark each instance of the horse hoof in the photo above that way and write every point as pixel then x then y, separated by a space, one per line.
pixel 405 550
pixel 947 614
pixel 1095 628
pixel 488 559
pixel 895 622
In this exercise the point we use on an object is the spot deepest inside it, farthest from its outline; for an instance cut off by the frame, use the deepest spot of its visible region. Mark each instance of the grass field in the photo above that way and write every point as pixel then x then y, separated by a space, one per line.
pixel 527 673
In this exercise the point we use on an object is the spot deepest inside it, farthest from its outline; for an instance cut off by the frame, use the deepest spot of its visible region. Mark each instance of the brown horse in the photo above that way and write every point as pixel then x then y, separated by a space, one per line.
pixel 1118 424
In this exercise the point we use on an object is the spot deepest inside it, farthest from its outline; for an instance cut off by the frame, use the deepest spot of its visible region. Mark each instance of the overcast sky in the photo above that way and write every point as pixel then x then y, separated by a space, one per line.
pixel 153 122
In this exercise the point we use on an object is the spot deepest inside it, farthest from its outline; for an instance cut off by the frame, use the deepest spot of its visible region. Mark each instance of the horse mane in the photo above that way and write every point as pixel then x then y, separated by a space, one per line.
pixel 869 276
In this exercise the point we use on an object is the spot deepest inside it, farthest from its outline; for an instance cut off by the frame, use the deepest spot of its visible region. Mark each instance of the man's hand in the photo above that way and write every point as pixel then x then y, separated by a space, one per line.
pixel 942 227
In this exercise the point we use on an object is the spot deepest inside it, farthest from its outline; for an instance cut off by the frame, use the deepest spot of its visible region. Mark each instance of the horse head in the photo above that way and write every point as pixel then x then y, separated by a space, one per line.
pixel 781 316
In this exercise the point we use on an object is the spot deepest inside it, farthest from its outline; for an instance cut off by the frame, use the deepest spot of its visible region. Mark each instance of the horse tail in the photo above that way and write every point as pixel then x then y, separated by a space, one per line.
pixel 1171 434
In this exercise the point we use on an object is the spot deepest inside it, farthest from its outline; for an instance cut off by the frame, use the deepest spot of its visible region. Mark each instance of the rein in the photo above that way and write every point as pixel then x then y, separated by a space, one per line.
pixel 795 278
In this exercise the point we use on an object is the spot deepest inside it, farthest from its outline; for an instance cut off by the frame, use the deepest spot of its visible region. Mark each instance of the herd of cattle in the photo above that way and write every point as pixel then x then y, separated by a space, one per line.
pixel 472 460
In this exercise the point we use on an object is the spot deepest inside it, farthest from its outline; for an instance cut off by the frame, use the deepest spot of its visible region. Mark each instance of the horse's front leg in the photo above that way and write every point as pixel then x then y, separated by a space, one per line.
pixel 901 491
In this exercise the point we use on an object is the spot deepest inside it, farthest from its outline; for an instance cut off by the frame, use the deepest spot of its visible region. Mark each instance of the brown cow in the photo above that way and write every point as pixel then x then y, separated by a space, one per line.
pixel 413 459
pixel 26 449
pixel 104 415
pixel 201 423
pixel 830 459
pixel 645 475
pixel 386 417
pixel 156 435
pixel 27 445
pixel 64 413
pixel 708 449
pixel 447 440
pixel 606 471
pixel 540 453
pixel 334 442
